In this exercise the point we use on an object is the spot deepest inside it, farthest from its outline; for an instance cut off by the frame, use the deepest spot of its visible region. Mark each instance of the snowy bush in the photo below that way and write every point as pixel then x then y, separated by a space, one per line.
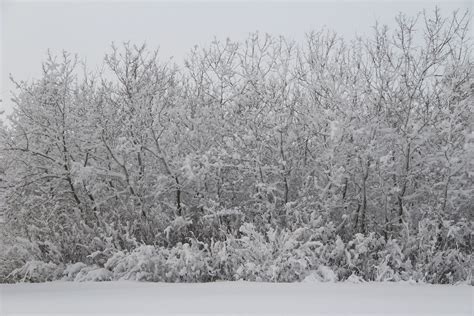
pixel 36 271
pixel 71 270
pixel 277 256
pixel 188 263
pixel 355 279
pixel 93 274
pixel 140 265
pixel 15 254
pixel 182 263
pixel 322 274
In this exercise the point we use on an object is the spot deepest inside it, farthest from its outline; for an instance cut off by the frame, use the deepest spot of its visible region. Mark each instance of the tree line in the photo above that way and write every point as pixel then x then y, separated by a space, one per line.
pixel 369 137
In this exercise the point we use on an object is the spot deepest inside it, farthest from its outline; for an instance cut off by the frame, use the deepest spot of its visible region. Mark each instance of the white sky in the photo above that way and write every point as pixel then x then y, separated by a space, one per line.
pixel 87 28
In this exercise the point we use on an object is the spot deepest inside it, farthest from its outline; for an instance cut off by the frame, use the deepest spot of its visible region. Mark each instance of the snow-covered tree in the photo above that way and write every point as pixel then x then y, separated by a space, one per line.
pixel 346 151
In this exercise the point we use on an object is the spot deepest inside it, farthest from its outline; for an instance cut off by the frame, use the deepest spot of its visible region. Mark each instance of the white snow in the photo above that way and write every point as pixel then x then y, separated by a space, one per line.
pixel 235 298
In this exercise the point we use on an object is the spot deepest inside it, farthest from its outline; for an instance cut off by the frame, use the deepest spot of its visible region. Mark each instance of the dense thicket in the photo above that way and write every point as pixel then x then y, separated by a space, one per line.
pixel 259 160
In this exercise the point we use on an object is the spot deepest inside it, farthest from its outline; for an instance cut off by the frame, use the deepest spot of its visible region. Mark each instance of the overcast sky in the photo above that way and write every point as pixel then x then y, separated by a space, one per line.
pixel 87 28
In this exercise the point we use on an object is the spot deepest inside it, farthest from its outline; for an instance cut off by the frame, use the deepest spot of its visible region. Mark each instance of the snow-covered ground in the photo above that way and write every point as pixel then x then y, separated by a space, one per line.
pixel 235 298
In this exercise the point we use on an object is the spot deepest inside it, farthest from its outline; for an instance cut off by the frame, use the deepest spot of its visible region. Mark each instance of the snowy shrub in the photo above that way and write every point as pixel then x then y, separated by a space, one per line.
pixel 441 253
pixel 71 270
pixel 363 254
pixel 188 263
pixel 322 274
pixel 145 263
pixel 277 256
pixel 393 264
pixel 448 267
pixel 355 279
pixel 326 274
pixel 36 271
pixel 14 255
pixel 93 274
pixel 182 263
pixel 177 229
